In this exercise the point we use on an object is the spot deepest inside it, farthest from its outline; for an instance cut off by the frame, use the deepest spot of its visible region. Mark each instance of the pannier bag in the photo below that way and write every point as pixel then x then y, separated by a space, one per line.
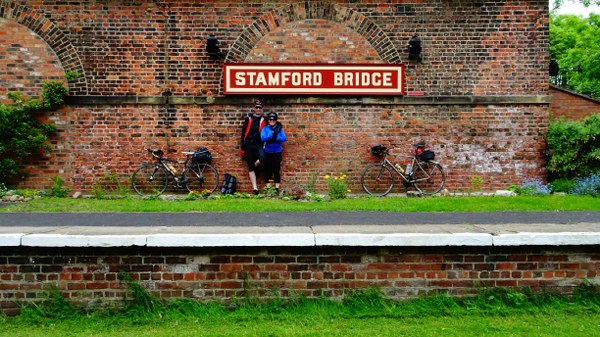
pixel 202 155
pixel 229 184
pixel 427 155
pixel 378 150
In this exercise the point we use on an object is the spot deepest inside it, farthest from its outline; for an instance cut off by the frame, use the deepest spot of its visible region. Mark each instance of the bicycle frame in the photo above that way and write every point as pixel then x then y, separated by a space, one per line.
pixel 161 162
pixel 413 162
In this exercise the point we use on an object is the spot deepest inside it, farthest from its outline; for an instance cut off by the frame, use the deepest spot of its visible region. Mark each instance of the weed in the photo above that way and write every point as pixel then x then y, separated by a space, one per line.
pixel 54 307
pixel 476 183
pixel 3 190
pixel 369 300
pixel 57 190
pixel 310 186
pixel 270 191
pixel 72 75
pixel 142 302
pixel 98 190
pixel 337 186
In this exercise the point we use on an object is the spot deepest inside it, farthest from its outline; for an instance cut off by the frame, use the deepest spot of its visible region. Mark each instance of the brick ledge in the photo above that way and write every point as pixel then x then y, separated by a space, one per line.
pixel 352 100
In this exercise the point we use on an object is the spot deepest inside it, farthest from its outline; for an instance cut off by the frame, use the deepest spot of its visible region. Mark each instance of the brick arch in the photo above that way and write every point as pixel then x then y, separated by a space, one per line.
pixel 313 10
pixel 54 37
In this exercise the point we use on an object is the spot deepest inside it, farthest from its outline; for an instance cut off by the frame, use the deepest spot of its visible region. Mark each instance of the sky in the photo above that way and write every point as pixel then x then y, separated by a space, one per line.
pixel 575 7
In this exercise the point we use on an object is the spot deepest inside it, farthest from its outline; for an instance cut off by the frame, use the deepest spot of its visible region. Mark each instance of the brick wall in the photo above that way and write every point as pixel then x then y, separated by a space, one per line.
pixel 572 106
pixel 482 86
pixel 140 48
pixel 85 275
pixel 495 143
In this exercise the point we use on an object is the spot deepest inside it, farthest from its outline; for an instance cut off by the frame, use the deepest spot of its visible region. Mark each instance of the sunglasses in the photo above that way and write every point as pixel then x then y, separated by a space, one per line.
pixel 258 107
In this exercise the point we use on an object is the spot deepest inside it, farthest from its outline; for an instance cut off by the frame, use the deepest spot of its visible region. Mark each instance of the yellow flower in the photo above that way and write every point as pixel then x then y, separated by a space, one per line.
pixel 348 191
pixel 327 176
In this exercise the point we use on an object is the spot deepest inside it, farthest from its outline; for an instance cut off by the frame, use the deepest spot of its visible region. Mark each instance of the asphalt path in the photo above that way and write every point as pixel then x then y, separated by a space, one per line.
pixel 290 219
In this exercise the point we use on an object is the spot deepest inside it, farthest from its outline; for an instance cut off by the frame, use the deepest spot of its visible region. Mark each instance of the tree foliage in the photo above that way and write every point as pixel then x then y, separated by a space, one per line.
pixel 574 147
pixel 21 132
pixel 575 45
pixel 559 3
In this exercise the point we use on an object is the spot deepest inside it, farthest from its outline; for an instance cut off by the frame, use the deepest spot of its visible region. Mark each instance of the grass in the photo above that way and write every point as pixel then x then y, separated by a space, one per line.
pixel 493 312
pixel 388 204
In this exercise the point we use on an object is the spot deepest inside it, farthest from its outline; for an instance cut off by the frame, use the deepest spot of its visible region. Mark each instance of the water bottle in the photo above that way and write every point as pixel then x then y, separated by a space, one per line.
pixel 399 168
pixel 408 168
pixel 172 168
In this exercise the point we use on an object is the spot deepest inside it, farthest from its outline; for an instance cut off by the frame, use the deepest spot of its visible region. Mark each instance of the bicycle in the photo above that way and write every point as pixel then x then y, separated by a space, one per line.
pixel 152 179
pixel 422 172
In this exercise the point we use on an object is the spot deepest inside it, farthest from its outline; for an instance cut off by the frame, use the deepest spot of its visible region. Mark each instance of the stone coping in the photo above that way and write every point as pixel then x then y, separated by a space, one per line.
pixel 310 236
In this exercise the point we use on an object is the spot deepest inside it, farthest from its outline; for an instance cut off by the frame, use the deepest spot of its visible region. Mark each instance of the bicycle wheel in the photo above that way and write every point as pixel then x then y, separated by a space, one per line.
pixel 377 179
pixel 429 177
pixel 199 177
pixel 150 180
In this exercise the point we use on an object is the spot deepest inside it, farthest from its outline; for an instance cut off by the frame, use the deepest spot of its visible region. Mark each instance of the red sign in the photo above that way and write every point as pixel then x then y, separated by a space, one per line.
pixel 314 79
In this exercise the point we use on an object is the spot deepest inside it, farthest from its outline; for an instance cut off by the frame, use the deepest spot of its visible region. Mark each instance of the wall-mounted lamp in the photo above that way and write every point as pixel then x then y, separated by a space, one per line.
pixel 554 69
pixel 414 49
pixel 212 47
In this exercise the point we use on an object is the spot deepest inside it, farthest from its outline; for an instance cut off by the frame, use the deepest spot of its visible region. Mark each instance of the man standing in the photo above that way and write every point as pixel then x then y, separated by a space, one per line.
pixel 251 143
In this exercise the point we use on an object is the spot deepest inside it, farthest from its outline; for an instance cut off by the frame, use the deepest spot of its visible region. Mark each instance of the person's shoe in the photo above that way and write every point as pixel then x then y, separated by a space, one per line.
pixel 255 192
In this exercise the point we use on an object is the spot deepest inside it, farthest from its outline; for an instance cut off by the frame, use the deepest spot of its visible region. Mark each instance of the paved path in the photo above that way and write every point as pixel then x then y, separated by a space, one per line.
pixel 335 228
pixel 317 218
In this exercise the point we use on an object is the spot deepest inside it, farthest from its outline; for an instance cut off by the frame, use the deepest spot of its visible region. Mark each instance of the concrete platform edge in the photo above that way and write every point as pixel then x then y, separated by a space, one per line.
pixel 306 239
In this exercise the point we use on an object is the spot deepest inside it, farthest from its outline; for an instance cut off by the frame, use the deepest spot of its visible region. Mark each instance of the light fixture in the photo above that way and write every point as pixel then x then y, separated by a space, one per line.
pixel 414 49
pixel 554 68
pixel 212 47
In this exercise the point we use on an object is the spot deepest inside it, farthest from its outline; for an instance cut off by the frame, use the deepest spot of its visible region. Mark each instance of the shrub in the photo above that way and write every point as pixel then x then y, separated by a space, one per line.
pixel 573 147
pixel 337 186
pixel 562 185
pixel 589 185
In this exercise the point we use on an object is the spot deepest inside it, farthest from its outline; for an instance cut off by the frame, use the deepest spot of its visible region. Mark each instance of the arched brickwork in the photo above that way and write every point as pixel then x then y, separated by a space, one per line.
pixel 312 41
pixel 54 37
pixel 307 10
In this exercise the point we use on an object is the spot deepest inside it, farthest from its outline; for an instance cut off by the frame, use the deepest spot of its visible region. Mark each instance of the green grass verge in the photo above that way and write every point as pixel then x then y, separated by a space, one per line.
pixel 493 312
pixel 388 204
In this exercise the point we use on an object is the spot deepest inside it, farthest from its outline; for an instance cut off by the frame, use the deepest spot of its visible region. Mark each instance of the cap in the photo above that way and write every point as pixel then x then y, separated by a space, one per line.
pixel 272 115
pixel 258 103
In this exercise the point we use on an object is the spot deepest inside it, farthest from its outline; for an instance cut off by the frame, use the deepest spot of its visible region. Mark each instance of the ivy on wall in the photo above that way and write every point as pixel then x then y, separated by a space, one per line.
pixel 22 133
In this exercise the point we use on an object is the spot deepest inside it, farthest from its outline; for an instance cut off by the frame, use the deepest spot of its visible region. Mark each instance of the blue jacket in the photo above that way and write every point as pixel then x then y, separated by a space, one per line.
pixel 272 145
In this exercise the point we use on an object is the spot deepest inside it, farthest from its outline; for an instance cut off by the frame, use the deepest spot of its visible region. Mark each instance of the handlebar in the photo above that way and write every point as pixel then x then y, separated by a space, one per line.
pixel 159 154
pixel 156 153
pixel 384 150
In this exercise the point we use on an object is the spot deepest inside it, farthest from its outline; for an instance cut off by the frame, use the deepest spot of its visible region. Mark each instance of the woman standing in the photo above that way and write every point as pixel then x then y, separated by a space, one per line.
pixel 273 136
